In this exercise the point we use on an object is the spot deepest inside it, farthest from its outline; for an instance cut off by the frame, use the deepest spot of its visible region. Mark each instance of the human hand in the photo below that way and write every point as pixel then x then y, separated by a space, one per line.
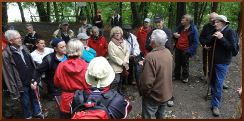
pixel 207 48
pixel 87 48
pixel 141 62
pixel 33 85
pixel 218 34
pixel 124 64
pixel 239 91
pixel 176 35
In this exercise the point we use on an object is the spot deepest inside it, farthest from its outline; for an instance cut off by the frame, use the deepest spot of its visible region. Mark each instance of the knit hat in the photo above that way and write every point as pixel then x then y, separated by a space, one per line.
pixel 98 11
pixel 56 41
pixel 99 73
pixel 81 36
pixel 64 22
pixel 221 18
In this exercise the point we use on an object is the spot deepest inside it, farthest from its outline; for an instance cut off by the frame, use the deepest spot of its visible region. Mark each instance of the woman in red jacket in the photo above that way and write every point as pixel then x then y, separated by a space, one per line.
pixel 98 43
pixel 70 76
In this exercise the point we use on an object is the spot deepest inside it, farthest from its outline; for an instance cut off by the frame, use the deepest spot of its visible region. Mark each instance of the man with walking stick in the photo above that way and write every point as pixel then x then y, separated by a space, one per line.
pixel 222 41
pixel 206 33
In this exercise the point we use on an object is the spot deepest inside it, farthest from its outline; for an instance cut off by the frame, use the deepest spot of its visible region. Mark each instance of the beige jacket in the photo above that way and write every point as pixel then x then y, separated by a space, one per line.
pixel 117 56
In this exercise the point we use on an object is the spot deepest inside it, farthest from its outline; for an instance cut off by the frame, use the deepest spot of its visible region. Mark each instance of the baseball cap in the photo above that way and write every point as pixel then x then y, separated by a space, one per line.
pixel 64 22
pixel 221 18
pixel 158 17
pixel 82 36
pixel 147 20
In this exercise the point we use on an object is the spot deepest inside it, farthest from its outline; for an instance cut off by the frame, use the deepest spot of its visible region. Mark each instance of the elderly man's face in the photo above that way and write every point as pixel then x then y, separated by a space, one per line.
pixel 146 24
pixel 41 44
pixel 64 27
pixel 211 16
pixel 159 24
pixel 219 25
pixel 16 41
pixel 185 22
pixel 29 29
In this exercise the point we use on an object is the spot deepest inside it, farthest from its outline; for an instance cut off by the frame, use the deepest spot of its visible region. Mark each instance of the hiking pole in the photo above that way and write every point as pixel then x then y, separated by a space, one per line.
pixel 38 98
pixel 237 110
pixel 211 71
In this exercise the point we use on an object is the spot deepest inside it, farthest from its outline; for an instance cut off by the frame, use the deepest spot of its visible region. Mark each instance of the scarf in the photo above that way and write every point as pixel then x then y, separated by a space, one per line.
pixel 118 42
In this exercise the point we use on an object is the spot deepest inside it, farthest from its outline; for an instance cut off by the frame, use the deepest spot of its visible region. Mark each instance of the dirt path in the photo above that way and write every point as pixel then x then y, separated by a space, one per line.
pixel 188 103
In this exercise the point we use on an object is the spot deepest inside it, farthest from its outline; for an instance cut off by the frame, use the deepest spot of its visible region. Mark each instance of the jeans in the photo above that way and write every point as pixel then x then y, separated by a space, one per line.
pixel 181 61
pixel 152 109
pixel 29 96
pixel 217 80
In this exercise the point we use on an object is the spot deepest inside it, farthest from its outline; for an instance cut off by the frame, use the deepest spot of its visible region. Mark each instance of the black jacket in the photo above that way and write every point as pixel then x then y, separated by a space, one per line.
pixel 206 33
pixel 49 71
pixel 224 46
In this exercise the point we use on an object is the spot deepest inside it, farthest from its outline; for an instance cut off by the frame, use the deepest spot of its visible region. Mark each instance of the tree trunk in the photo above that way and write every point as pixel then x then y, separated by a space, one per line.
pixel 48 12
pixel 21 11
pixel 135 17
pixel 215 6
pixel 181 10
pixel 238 31
pixel 56 11
pixel 120 8
pixel 196 13
pixel 170 24
pixel 42 13
pixel 4 17
pixel 203 8
pixel 95 8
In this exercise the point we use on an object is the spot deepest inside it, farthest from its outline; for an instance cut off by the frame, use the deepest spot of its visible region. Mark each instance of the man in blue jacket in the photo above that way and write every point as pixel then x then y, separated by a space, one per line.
pixel 222 41
pixel 186 42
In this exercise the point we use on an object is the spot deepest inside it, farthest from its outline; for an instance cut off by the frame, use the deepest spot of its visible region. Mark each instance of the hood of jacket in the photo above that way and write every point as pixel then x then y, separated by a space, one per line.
pixel 74 66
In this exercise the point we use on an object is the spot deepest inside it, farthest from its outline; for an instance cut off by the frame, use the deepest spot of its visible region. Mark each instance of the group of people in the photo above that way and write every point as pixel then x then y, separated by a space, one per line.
pixel 146 56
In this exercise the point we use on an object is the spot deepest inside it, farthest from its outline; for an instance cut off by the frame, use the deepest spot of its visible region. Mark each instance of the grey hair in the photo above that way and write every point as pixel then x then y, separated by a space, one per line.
pixel 115 29
pixel 74 47
pixel 28 25
pixel 95 28
pixel 9 34
pixel 187 17
pixel 159 37
pixel 213 13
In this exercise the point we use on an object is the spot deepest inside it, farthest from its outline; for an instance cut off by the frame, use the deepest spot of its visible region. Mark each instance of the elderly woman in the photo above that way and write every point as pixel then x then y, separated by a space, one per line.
pixel 88 53
pixel 70 76
pixel 98 43
pixel 118 53
pixel 49 65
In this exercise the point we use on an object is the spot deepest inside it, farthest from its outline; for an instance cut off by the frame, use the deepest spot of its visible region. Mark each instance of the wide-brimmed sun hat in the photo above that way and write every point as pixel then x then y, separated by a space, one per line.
pixel 99 73
pixel 221 18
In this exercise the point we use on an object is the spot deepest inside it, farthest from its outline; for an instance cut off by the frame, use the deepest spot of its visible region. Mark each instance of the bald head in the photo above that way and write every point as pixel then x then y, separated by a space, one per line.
pixel 211 16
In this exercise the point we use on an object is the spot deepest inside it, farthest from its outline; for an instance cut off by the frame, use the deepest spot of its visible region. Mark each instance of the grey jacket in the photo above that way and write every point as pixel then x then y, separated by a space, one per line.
pixel 10 74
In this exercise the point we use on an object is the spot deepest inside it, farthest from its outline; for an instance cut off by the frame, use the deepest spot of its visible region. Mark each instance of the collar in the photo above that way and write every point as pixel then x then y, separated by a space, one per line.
pixel 158 48
pixel 15 49
pixel 224 28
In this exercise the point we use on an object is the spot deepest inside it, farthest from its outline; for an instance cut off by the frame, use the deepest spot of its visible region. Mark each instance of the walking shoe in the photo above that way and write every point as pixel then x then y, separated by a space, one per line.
pixel 170 103
pixel 225 86
pixel 216 112
pixel 185 80
pixel 41 116
pixel 176 79
pixel 133 83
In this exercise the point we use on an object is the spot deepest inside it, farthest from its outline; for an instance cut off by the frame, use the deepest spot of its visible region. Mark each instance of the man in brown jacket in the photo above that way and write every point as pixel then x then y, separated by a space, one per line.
pixel 156 79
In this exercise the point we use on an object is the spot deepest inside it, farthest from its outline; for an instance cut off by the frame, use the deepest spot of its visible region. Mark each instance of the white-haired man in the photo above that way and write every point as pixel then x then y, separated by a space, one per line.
pixel 156 79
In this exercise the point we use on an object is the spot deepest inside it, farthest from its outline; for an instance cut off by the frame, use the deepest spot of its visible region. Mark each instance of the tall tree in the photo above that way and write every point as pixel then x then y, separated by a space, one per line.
pixel 239 21
pixel 120 8
pixel 196 12
pixel 21 11
pixel 95 8
pixel 4 17
pixel 48 12
pixel 56 11
pixel 170 22
pixel 135 20
pixel 215 6
pixel 42 13
pixel 181 10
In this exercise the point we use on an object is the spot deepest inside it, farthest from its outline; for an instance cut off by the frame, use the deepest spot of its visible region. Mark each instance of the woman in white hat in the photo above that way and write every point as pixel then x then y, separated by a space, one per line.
pixel 118 53
pixel 70 76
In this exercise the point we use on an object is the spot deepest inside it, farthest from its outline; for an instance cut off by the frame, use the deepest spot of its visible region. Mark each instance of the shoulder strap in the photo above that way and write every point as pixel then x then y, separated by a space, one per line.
pixel 132 44
pixel 49 60
pixel 108 97
pixel 77 100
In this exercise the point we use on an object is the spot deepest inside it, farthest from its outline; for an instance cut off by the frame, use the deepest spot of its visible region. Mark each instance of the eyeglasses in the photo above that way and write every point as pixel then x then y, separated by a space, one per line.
pixel 17 38
pixel 117 33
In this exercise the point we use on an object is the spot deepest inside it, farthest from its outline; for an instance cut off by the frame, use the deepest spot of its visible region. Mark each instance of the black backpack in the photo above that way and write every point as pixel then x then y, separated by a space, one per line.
pixel 116 105
pixel 236 43
pixel 92 108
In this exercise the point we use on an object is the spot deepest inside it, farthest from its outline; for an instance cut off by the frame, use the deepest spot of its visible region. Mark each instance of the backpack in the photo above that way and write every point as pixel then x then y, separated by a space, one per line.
pixel 117 106
pixel 236 43
pixel 90 109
